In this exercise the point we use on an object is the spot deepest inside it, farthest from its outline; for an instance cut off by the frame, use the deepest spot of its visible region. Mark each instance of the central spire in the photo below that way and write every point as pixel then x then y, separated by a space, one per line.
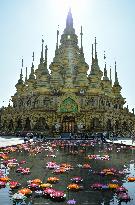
pixel 69 24
pixel 69 21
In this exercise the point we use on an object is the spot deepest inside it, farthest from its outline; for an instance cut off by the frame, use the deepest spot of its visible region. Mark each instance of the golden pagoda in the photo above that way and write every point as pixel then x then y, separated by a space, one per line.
pixel 68 99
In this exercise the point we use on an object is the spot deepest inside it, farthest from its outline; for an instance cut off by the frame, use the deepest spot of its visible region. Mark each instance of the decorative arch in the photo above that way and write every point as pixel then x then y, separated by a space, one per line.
pixel 95 123
pixel 19 125
pixel 69 105
pixel 11 125
pixel 27 126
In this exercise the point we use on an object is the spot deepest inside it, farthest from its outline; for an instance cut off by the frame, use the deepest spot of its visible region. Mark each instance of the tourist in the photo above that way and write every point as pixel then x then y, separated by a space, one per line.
pixel 70 135
pixel 26 139
pixel 41 136
pixel 34 138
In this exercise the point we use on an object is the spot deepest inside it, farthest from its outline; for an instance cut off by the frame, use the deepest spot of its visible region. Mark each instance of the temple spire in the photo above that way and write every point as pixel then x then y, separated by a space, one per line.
pixel 57 45
pixel 69 24
pixel 95 49
pixel 22 62
pixel 81 39
pixel 69 21
pixel 92 52
pixel 32 76
pixel 105 74
pixel 46 49
pixel 105 70
pixel 26 77
pixel 116 77
pixel 20 81
pixel 21 75
pixel 110 73
pixel 33 57
pixel 42 52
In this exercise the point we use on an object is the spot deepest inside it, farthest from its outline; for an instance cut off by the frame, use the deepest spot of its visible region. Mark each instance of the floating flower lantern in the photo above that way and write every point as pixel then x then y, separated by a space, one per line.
pixel 53 179
pixel 109 173
pixel 96 186
pixel 19 169
pixel 105 157
pixel 124 197
pixel 25 191
pixel 105 187
pixel 66 166
pixel 4 156
pixel 131 179
pixel 22 162
pixel 86 166
pixel 14 184
pixel 25 171
pixel 114 180
pixel 59 171
pixel 39 193
pixel 71 201
pixel 48 191
pixel 46 185
pixel 2 184
pixel 77 179
pixel 51 165
pixel 113 186
pixel 12 164
pixel 79 165
pixel 121 189
pixel 4 179
pixel 33 186
pixel 18 197
pixel 36 181
pixel 73 187
pixel 58 195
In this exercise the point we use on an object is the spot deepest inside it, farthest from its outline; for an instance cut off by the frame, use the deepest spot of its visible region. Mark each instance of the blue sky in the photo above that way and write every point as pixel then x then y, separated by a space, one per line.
pixel 23 22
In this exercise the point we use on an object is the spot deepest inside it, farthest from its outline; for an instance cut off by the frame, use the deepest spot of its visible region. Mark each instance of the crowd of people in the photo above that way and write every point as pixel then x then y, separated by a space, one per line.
pixel 28 136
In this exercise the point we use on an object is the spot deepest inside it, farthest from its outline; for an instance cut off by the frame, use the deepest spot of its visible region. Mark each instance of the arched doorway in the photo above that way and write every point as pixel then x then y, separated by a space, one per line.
pixel 27 125
pixel 10 125
pixel 68 124
pixel 19 125
pixel 95 124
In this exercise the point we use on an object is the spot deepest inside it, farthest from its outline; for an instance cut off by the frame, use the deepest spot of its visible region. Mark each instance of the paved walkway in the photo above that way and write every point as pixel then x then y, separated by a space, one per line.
pixel 123 141
pixel 7 141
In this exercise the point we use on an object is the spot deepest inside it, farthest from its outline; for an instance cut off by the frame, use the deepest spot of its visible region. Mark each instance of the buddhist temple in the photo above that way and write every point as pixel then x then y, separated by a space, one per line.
pixel 68 95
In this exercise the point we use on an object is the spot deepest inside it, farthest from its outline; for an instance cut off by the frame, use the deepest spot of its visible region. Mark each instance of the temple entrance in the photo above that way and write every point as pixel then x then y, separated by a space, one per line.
pixel 68 124
pixel 27 125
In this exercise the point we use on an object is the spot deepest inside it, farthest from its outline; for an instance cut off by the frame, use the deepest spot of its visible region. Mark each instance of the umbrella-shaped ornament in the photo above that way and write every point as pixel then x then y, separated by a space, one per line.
pixel 71 201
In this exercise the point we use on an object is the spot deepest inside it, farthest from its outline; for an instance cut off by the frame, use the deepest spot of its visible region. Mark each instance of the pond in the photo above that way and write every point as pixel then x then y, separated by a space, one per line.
pixel 94 162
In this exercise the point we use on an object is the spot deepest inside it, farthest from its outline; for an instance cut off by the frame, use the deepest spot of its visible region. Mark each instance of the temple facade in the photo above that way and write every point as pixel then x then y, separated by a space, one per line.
pixel 69 96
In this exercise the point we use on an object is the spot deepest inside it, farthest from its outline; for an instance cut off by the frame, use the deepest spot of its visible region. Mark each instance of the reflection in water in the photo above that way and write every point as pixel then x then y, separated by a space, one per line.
pixel 121 159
